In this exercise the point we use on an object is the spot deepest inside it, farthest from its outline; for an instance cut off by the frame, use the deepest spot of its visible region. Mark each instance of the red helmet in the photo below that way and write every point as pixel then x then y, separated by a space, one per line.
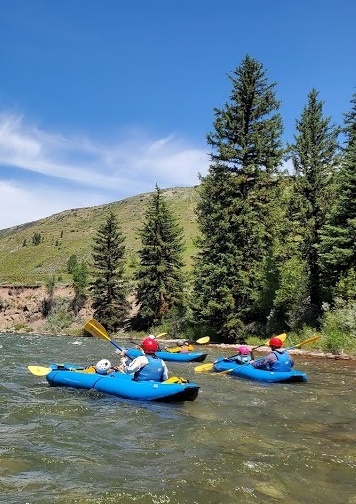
pixel 275 342
pixel 243 349
pixel 149 345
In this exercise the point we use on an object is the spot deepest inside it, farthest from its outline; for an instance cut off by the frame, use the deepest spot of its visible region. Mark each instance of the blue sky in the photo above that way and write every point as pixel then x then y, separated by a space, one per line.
pixel 101 100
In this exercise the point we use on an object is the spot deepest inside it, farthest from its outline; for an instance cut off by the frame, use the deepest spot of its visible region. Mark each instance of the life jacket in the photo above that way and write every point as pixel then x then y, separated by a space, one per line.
pixel 243 359
pixel 283 362
pixel 152 371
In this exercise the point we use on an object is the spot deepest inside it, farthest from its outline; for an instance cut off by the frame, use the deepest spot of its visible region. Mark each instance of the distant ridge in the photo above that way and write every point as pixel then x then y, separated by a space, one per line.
pixel 72 231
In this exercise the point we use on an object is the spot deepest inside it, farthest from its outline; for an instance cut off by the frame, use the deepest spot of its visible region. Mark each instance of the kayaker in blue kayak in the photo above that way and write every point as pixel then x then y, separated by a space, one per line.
pixel 277 360
pixel 148 366
pixel 244 355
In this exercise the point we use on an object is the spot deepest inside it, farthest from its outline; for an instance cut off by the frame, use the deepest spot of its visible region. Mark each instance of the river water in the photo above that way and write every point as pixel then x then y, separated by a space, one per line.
pixel 238 442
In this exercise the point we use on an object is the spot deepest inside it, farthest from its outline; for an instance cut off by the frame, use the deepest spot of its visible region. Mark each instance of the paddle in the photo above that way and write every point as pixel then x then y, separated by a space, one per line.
pixel 210 366
pixel 96 329
pixel 282 337
pixel 39 370
pixel 201 341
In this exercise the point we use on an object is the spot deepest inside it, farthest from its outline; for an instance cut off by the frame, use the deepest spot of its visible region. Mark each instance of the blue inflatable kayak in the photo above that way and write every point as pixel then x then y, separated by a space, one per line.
pixel 121 384
pixel 251 373
pixel 171 356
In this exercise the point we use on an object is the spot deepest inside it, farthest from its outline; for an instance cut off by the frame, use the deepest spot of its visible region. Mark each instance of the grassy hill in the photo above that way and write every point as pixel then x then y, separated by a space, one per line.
pixel 72 232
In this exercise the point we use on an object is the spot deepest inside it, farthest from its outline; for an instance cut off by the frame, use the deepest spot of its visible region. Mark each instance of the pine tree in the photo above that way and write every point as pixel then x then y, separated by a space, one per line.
pixel 338 236
pixel 315 158
pixel 235 207
pixel 108 287
pixel 159 276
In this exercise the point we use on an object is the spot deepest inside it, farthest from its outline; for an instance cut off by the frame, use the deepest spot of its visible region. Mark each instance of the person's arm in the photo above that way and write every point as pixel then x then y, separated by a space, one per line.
pixel 165 371
pixel 266 362
pixel 136 364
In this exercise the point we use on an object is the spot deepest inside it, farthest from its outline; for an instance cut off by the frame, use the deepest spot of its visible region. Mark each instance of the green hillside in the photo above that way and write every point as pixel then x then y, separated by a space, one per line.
pixel 72 231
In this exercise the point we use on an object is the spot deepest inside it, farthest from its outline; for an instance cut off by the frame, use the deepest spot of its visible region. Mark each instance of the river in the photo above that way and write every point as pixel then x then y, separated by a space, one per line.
pixel 238 442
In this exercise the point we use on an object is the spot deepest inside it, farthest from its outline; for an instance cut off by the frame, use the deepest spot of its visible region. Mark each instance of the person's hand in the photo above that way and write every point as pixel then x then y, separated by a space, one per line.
pixel 123 353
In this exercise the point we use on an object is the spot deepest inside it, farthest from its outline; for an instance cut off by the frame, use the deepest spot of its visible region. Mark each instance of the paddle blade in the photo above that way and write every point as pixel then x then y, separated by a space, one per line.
pixel 39 370
pixel 204 367
pixel 282 337
pixel 203 341
pixel 160 335
pixel 96 329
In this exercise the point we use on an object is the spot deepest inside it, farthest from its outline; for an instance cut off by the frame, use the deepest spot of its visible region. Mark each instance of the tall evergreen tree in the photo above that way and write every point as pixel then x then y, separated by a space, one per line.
pixel 315 158
pixel 159 276
pixel 235 206
pixel 338 236
pixel 108 287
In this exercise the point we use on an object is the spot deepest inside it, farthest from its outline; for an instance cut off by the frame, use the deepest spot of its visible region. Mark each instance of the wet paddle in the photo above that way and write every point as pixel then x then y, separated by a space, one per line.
pixel 96 329
pixel 39 370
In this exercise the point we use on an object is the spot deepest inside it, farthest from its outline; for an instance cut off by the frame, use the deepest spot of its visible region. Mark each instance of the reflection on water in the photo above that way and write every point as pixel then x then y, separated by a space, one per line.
pixel 240 441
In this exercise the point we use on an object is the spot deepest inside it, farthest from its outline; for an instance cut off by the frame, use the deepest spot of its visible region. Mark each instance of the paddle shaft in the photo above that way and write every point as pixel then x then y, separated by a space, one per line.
pixel 96 329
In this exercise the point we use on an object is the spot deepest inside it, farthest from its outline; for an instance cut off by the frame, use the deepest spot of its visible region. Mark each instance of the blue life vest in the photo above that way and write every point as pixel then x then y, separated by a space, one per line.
pixel 283 362
pixel 152 371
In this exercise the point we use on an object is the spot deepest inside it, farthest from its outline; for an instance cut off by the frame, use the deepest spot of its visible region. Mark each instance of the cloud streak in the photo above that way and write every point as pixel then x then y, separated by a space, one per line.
pixel 43 172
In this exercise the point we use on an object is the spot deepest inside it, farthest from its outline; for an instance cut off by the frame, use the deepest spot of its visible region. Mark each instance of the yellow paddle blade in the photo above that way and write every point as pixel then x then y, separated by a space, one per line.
pixel 282 337
pixel 203 341
pixel 172 349
pixel 204 367
pixel 96 329
pixel 39 370
pixel 161 334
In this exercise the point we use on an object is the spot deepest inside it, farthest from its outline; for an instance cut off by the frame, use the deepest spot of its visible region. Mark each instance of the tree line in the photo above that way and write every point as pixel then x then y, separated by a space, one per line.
pixel 276 251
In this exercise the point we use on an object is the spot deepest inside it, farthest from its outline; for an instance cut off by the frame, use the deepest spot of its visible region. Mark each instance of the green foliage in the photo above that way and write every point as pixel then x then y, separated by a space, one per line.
pixel 72 263
pixel 21 327
pixel 60 316
pixel 315 158
pixel 50 285
pixel 236 206
pixel 289 304
pixel 339 328
pixel 37 238
pixel 159 275
pixel 337 248
pixel 80 284
pixel 108 286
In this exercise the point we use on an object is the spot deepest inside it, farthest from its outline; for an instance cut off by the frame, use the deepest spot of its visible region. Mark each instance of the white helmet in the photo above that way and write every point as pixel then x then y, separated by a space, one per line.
pixel 103 366
pixel 151 336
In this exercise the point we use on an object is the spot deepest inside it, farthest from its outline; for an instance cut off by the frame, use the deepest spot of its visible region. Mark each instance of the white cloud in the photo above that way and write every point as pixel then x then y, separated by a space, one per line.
pixel 77 171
